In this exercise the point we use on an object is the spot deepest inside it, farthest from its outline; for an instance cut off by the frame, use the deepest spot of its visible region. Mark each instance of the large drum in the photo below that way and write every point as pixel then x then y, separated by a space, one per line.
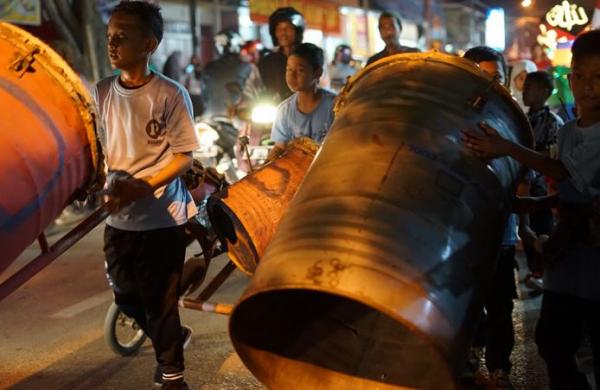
pixel 48 148
pixel 246 214
pixel 376 276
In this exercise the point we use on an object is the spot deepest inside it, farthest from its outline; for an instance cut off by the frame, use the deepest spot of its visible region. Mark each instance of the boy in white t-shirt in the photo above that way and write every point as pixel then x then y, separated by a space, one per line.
pixel 149 140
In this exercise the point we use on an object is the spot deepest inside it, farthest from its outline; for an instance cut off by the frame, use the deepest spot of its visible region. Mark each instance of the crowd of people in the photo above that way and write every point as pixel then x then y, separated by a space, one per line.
pixel 148 118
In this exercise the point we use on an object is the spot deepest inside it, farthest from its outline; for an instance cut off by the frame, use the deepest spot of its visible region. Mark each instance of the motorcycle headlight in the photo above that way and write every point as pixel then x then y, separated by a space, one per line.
pixel 264 113
pixel 207 136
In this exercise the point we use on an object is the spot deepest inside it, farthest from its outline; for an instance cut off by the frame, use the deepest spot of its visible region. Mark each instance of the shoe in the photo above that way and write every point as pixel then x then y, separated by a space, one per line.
pixel 158 380
pixel 186 335
pixel 499 380
pixel 178 384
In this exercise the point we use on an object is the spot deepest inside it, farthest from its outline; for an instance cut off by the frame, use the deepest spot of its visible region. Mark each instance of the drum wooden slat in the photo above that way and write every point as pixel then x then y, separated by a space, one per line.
pixel 247 213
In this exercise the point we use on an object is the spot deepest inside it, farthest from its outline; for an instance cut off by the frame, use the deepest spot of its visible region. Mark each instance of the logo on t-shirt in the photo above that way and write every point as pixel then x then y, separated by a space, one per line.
pixel 155 130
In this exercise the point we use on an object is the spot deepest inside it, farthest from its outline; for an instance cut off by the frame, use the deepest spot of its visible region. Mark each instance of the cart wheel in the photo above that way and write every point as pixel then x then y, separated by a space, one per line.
pixel 193 274
pixel 122 334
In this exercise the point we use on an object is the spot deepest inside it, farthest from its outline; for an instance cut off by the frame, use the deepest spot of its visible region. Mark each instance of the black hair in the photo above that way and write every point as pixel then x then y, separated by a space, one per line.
pixel 311 53
pixel 394 15
pixel 586 45
pixel 289 15
pixel 541 78
pixel 479 54
pixel 148 14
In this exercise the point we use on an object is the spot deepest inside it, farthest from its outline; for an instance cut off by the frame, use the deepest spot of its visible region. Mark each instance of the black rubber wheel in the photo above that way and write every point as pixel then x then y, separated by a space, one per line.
pixel 122 334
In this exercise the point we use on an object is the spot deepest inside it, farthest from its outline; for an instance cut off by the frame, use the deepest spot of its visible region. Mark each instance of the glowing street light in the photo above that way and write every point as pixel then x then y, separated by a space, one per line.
pixel 526 3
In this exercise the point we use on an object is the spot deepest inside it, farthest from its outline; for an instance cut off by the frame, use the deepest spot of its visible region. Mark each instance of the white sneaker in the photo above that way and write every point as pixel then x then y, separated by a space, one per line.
pixel 186 333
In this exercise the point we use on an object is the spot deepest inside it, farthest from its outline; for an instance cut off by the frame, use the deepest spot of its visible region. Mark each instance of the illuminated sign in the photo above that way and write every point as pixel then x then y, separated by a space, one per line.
pixel 551 38
pixel 566 16
pixel 494 29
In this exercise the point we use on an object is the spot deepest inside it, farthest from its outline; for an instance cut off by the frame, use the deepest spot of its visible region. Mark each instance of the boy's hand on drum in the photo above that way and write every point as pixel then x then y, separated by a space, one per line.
pixel 126 191
pixel 277 150
pixel 488 144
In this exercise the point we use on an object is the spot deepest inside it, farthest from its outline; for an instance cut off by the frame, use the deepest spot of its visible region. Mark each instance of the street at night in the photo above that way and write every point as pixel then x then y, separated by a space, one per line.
pixel 53 337
pixel 300 194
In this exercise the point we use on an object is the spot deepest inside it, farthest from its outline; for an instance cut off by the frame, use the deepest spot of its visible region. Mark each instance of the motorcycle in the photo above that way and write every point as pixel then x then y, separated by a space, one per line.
pixel 217 137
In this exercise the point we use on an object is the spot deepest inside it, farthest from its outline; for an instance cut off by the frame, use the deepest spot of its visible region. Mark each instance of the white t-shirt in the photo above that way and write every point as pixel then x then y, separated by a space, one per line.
pixel 578 149
pixel 579 272
pixel 144 128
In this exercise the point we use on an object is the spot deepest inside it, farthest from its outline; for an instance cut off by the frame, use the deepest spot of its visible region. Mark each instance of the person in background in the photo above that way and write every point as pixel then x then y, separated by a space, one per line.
pixel 390 28
pixel 252 51
pixel 437 44
pixel 193 83
pixel 309 111
pixel 545 124
pixel 519 71
pixel 286 26
pixel 150 138
pixel 540 58
pixel 342 67
pixel 496 333
pixel 227 80
pixel 571 301
pixel 173 68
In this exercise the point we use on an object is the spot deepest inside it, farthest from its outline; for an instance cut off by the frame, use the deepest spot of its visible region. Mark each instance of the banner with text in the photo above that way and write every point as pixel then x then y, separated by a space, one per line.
pixel 319 15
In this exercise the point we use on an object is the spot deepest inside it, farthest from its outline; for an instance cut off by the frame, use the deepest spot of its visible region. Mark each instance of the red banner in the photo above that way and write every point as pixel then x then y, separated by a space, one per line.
pixel 319 15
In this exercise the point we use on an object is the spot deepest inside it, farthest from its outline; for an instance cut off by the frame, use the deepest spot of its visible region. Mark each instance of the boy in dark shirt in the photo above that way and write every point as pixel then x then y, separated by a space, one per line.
pixel 537 89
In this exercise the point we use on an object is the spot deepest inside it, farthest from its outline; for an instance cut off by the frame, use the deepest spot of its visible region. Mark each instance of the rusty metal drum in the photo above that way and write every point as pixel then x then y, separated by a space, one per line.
pixel 376 276
pixel 246 214
pixel 48 148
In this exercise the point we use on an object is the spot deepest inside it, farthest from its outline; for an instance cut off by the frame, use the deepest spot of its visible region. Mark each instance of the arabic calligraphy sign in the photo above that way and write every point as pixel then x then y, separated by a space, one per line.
pixel 567 16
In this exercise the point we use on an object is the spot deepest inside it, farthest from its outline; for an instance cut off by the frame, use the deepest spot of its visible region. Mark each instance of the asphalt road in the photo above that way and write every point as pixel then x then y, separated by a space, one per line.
pixel 51 333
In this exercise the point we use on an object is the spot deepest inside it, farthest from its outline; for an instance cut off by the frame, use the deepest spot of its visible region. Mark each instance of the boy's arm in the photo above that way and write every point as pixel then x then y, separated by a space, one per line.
pixel 492 145
pixel 277 149
pixel 178 166
pixel 279 134
pixel 126 191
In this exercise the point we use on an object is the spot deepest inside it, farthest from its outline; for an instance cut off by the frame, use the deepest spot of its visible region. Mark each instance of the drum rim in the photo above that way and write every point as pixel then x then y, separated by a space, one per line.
pixel 435 56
